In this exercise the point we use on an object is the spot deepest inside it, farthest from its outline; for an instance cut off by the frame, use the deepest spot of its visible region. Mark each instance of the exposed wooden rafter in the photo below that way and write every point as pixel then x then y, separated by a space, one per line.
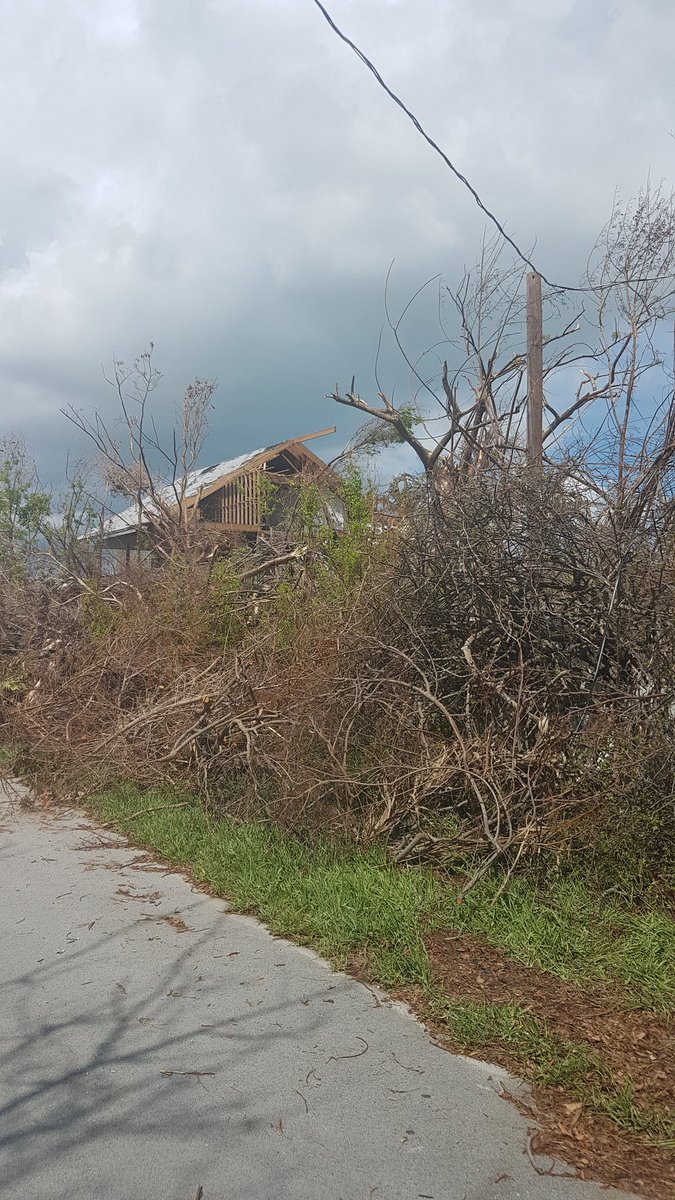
pixel 270 452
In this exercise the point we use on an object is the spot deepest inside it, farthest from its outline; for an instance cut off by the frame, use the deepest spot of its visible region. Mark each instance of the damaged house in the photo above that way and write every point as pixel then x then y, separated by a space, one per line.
pixel 242 501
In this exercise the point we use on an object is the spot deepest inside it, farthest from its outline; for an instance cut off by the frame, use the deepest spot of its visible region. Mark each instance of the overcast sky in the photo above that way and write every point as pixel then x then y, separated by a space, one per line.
pixel 224 178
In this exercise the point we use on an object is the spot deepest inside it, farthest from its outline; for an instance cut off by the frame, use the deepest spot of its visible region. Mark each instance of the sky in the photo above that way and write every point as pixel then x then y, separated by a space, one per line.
pixel 226 180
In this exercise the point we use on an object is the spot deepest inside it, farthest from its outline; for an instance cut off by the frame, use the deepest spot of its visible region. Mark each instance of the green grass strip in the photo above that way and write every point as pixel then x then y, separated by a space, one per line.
pixel 562 928
pixel 551 1061
pixel 341 902
pixel 345 901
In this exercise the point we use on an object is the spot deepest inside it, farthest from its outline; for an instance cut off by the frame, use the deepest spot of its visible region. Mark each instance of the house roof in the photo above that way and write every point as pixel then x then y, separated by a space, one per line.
pixel 201 483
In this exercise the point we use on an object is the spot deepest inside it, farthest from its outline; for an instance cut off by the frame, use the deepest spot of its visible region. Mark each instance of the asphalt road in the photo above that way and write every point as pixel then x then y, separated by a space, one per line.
pixel 151 1042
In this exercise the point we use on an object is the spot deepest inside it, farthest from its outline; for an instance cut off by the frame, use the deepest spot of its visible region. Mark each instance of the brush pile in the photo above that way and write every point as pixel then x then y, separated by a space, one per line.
pixel 492 676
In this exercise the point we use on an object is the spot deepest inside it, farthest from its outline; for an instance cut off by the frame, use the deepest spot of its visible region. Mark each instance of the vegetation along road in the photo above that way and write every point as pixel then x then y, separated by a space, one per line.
pixel 154 1044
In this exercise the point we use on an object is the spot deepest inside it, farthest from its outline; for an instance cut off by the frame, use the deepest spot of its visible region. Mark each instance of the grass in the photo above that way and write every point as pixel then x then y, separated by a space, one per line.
pixel 356 906
pixel 566 930
pixel 8 755
pixel 348 902
pixel 551 1061
pixel 341 902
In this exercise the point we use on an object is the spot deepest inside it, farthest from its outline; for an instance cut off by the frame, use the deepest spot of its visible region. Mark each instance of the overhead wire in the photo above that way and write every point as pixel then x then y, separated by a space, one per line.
pixel 556 287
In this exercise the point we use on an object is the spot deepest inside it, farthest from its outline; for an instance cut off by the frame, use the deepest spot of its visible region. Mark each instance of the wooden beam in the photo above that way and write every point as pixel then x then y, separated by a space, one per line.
pixel 535 374
pixel 267 453
pixel 321 433
pixel 217 527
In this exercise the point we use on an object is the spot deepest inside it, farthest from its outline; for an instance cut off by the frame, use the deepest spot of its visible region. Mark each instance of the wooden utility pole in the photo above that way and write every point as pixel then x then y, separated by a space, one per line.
pixel 535 374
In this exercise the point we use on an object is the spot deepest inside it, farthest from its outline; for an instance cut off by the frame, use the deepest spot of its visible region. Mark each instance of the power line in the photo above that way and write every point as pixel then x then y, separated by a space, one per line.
pixel 427 137
pixel 559 287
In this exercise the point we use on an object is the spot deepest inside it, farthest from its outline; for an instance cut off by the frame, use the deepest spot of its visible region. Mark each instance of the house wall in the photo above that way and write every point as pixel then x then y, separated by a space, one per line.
pixel 120 553
pixel 235 505
pixel 240 509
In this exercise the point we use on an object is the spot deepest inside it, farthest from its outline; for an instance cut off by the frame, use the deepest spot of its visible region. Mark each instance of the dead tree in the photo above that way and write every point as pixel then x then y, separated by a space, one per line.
pixel 466 411
pixel 150 472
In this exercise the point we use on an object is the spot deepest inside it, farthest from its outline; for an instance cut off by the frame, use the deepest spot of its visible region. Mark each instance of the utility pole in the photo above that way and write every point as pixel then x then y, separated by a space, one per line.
pixel 535 374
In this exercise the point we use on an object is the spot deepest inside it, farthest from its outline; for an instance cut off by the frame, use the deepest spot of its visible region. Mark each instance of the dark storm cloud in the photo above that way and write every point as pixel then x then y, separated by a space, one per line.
pixel 226 180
